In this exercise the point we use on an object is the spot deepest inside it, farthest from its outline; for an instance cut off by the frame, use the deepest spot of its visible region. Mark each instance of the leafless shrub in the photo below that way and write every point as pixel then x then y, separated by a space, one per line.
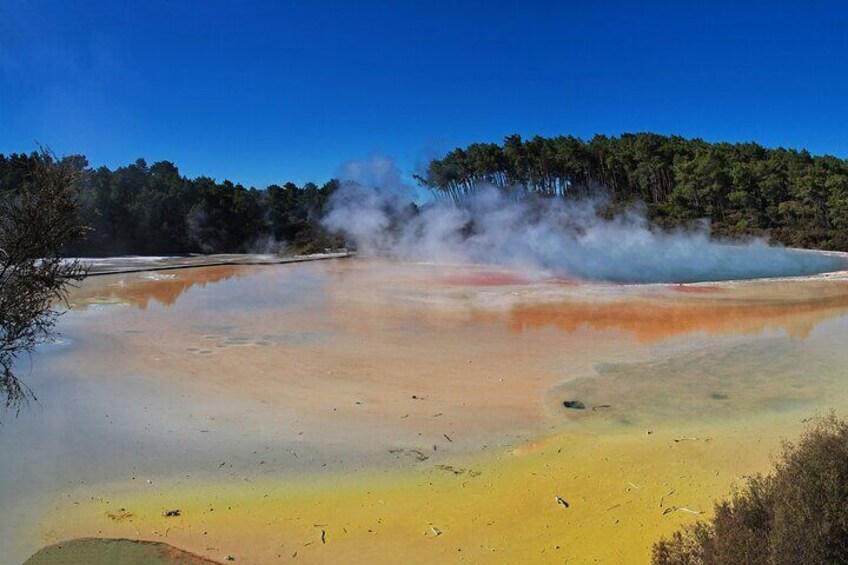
pixel 37 218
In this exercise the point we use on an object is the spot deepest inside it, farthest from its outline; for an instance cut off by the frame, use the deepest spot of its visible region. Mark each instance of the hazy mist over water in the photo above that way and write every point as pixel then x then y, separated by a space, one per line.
pixel 566 238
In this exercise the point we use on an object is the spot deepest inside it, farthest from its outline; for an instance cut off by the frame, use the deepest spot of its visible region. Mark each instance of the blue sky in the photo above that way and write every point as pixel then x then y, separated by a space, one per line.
pixel 263 92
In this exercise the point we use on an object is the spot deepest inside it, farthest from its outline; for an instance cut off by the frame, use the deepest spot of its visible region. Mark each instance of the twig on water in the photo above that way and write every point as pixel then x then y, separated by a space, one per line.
pixel 671 509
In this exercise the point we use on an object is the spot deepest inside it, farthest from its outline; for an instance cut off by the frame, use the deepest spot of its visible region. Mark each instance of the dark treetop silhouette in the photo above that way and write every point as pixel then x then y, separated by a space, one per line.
pixel 743 189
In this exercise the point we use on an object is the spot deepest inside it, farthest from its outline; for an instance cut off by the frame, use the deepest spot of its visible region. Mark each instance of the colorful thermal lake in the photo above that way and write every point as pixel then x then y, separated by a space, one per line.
pixel 361 411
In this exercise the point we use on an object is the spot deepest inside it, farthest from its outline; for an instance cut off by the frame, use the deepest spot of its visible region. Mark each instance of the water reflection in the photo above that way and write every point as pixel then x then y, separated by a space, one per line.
pixel 163 287
pixel 649 316
pixel 653 320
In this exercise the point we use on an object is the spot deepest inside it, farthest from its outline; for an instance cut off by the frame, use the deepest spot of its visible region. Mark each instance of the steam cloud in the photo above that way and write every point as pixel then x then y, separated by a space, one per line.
pixel 552 236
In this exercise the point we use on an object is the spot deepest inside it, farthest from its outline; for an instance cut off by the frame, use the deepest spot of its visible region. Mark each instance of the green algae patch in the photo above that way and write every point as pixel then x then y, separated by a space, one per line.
pixel 97 551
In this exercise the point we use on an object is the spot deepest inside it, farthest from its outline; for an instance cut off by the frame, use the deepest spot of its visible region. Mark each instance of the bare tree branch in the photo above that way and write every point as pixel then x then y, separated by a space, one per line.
pixel 37 219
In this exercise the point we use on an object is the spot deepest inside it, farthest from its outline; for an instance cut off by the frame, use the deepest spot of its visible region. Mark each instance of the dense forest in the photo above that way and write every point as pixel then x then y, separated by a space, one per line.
pixel 743 189
pixel 153 210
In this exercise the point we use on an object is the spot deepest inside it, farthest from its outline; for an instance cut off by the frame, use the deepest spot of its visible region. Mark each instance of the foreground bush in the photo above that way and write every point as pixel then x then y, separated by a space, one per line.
pixel 38 217
pixel 796 515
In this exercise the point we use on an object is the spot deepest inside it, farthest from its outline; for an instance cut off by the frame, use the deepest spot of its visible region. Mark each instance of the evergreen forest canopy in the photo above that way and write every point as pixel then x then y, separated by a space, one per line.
pixel 153 210
pixel 742 189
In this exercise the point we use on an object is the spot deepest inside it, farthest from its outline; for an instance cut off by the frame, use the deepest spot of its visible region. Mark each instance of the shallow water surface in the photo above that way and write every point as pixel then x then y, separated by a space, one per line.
pixel 200 384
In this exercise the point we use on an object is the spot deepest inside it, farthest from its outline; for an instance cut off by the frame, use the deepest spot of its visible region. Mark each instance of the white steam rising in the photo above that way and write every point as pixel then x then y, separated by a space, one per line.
pixel 554 236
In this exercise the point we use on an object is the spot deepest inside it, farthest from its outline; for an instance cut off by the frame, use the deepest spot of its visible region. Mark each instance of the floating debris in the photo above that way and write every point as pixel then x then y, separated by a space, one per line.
pixel 574 404
pixel 171 513
pixel 458 470
pixel 418 454
pixel 120 515
pixel 671 509
pixel 670 493
pixel 561 501
pixel 436 531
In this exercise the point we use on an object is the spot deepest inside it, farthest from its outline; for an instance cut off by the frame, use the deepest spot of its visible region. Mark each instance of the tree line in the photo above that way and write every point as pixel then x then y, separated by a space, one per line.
pixel 795 198
pixel 743 189
pixel 143 209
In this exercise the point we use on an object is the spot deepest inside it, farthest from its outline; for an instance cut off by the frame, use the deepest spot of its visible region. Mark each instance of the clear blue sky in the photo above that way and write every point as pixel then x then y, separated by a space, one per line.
pixel 262 92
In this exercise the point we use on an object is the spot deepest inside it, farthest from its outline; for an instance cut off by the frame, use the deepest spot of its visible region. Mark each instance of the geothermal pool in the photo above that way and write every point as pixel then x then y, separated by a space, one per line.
pixel 364 411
